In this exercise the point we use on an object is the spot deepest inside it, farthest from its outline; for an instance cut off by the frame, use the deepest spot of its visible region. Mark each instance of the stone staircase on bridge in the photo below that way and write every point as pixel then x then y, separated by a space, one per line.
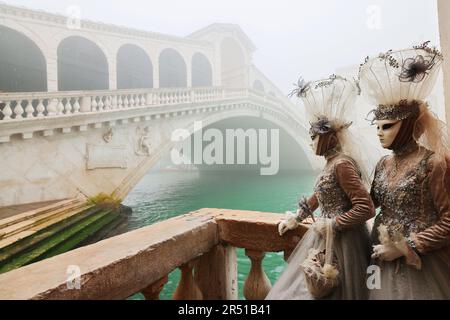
pixel 41 233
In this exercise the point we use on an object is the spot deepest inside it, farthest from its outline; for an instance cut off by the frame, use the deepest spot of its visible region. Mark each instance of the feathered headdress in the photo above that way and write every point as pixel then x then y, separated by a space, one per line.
pixel 398 82
pixel 327 102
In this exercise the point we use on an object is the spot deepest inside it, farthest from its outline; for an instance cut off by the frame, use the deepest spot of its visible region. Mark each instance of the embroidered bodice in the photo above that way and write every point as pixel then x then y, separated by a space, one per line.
pixel 402 190
pixel 332 199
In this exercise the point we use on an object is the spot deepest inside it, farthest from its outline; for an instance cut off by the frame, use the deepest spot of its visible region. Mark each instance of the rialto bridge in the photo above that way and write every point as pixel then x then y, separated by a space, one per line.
pixel 90 108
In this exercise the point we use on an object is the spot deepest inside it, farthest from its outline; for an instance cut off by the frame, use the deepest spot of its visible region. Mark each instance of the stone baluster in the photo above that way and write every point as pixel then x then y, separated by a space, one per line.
pixel 76 105
pixel 60 107
pixel 153 291
pixel 175 97
pixel 132 101
pixel 126 102
pixel 187 288
pixel 257 285
pixel 108 104
pixel 29 110
pixel 120 102
pixel 68 107
pixel 94 103
pixel 101 104
pixel 18 110
pixel 40 109
pixel 216 273
pixel 7 111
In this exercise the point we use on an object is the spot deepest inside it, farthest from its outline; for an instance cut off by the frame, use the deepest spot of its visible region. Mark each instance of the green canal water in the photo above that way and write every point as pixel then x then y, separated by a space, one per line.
pixel 163 195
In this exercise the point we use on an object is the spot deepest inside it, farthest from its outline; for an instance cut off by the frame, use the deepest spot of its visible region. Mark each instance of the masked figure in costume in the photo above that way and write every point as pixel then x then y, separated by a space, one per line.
pixel 342 197
pixel 412 232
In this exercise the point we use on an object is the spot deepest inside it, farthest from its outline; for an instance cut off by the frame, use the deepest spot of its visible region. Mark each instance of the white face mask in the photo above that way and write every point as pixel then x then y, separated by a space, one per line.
pixel 314 144
pixel 387 130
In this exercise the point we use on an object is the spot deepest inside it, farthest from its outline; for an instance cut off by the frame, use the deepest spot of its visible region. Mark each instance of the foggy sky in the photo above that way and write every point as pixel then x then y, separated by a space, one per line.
pixel 311 38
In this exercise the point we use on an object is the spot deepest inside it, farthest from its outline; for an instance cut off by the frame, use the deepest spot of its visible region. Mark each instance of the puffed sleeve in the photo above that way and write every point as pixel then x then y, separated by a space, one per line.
pixel 362 205
pixel 438 235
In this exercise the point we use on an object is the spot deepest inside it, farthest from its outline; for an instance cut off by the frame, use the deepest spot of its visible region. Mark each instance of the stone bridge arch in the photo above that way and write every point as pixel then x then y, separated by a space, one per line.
pixel 128 184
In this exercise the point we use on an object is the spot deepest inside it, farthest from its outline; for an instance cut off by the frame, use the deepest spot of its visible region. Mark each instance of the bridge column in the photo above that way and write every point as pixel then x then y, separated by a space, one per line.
pixel 217 71
pixel 444 29
pixel 52 72
pixel 156 74
pixel 112 70
pixel 189 73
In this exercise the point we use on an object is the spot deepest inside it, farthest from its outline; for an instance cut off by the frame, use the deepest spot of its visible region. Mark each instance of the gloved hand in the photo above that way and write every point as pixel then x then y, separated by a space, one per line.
pixel 394 246
pixel 288 223
pixel 386 252
pixel 320 226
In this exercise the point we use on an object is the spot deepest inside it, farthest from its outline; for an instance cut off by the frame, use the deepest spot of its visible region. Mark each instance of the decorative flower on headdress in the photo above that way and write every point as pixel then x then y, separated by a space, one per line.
pixel 321 126
pixel 301 87
pixel 415 69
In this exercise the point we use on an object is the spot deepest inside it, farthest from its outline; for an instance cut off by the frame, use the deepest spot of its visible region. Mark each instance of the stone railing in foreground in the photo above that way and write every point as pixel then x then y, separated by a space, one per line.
pixel 19 106
pixel 202 244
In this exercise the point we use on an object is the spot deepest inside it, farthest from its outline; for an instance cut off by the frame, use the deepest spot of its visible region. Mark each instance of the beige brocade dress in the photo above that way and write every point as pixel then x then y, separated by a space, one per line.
pixel 340 194
pixel 411 191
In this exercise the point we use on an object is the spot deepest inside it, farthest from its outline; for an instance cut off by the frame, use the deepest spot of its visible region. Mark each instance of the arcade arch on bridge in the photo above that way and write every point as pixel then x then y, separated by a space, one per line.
pixel 201 71
pixel 23 67
pixel 82 65
pixel 134 68
pixel 172 69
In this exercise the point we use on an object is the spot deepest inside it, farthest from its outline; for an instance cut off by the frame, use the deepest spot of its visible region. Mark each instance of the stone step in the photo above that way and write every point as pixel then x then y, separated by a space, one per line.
pixel 60 242
pixel 32 227
pixel 30 214
pixel 28 242
pixel 85 232
pixel 39 219
pixel 112 229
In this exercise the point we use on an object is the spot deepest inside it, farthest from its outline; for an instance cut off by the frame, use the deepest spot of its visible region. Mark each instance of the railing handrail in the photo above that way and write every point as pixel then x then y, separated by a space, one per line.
pixel 17 106
pixel 73 93
pixel 118 267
